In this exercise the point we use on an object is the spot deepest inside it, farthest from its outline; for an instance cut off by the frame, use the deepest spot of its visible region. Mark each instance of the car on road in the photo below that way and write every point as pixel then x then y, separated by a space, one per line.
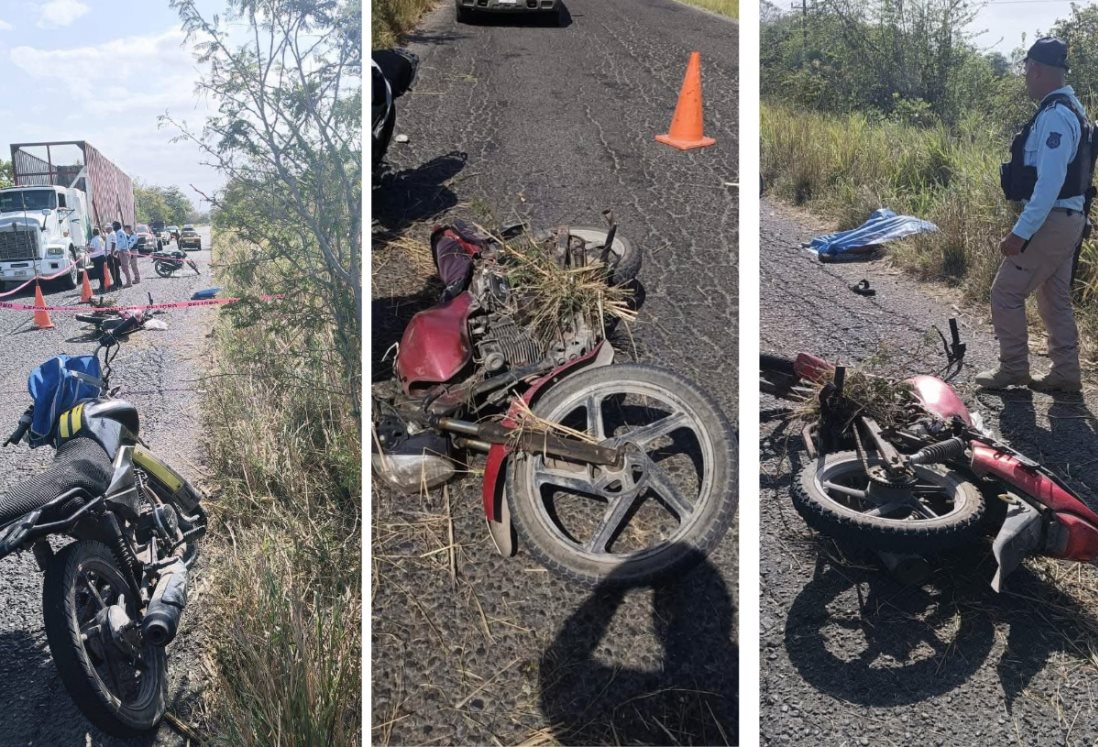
pixel 189 239
pixel 147 241
pixel 173 233
pixel 467 10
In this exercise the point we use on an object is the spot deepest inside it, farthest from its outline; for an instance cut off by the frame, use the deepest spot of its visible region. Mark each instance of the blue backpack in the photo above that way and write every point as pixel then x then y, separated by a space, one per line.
pixel 58 385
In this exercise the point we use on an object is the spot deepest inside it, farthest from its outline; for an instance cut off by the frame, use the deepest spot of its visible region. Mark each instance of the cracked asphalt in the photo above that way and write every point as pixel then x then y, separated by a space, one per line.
pixel 513 119
pixel 849 655
pixel 156 370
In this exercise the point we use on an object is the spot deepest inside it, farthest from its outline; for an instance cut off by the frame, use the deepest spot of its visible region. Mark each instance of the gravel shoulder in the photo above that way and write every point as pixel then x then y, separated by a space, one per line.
pixel 157 371
pixel 849 655
pixel 511 119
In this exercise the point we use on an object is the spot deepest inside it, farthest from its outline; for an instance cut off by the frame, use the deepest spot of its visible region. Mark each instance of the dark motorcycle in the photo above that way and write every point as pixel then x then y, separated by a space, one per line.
pixel 904 468
pixel 392 73
pixel 165 263
pixel 621 472
pixel 113 599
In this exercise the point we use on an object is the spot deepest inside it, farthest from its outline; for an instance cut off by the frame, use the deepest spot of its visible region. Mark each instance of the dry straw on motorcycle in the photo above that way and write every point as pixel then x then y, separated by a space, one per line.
pixel 551 294
pixel 864 394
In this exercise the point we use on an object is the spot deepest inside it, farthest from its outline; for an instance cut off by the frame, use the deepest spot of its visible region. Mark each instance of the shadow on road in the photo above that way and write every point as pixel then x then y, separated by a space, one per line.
pixel 390 315
pixel 29 680
pixel 402 198
pixel 692 699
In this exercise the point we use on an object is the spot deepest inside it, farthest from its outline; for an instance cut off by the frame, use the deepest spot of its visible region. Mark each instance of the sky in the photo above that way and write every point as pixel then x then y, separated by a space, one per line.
pixel 103 71
pixel 1005 21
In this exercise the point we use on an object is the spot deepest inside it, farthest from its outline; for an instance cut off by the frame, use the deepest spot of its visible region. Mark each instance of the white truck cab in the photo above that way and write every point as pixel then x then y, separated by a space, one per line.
pixel 43 230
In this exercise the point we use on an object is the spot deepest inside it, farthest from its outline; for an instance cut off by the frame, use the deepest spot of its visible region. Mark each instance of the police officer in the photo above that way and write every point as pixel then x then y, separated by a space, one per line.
pixel 1050 172
pixel 116 242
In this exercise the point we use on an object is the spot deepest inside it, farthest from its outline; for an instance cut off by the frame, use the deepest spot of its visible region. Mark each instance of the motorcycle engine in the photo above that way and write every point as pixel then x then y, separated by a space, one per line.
pixel 501 339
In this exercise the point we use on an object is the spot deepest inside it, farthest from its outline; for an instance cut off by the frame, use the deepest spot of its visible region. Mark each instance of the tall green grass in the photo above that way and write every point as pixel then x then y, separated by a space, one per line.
pixel 844 167
pixel 285 605
pixel 730 8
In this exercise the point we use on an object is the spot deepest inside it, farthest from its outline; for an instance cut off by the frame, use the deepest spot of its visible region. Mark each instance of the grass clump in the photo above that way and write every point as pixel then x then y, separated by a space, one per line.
pixel 390 19
pixel 555 301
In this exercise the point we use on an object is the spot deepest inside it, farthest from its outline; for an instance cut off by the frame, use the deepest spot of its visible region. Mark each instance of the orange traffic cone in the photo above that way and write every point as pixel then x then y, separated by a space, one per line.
pixel 85 289
pixel 686 125
pixel 108 281
pixel 41 316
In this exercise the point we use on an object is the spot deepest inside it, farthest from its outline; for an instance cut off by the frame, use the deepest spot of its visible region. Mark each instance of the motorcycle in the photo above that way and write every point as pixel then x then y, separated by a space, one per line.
pixel 165 263
pixel 113 598
pixel 392 73
pixel 914 472
pixel 598 469
pixel 107 319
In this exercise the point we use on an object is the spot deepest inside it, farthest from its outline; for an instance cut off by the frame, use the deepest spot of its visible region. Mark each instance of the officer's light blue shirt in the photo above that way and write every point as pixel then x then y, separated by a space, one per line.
pixel 1052 143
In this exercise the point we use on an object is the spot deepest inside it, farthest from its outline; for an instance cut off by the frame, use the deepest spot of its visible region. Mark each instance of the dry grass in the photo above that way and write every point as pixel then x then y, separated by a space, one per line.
pixel 730 8
pixel 554 301
pixel 390 19
pixel 286 605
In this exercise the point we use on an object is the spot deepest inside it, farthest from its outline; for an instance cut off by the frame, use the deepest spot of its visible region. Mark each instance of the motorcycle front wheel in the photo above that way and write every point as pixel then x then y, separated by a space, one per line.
pixel 939 511
pixel 163 269
pixel 660 511
pixel 118 681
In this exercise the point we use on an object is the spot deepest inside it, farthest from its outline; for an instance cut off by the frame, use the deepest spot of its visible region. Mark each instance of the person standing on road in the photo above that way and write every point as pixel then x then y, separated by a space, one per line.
pixel 115 243
pixel 98 255
pixel 1050 172
pixel 129 259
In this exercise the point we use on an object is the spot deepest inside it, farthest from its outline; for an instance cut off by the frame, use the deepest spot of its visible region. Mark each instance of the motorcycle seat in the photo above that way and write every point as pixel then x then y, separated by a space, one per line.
pixel 77 463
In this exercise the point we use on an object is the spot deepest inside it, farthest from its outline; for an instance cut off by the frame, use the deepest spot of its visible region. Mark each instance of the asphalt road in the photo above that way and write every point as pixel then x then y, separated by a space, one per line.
pixel 850 656
pixel 156 370
pixel 511 118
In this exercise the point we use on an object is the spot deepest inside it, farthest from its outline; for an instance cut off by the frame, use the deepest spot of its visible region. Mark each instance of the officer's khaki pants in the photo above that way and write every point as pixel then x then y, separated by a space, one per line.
pixel 1045 266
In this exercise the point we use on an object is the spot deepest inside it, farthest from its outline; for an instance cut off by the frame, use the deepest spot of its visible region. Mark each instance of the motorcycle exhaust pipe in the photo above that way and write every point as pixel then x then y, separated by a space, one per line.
pixel 161 621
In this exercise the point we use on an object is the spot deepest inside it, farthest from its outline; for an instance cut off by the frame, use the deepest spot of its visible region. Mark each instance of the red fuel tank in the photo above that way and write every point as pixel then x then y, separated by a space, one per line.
pixel 435 345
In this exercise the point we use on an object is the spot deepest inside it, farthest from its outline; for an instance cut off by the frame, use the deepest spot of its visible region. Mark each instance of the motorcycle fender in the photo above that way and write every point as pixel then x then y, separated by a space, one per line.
pixel 492 493
pixel 1019 535
pixel 180 492
pixel 939 397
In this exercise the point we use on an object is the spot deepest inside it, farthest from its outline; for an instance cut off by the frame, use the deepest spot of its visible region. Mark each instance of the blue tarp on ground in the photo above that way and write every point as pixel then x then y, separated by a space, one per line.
pixel 883 225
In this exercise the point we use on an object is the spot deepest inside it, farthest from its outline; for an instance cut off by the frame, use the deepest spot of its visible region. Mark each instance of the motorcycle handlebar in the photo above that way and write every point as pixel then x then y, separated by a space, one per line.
pixel 21 430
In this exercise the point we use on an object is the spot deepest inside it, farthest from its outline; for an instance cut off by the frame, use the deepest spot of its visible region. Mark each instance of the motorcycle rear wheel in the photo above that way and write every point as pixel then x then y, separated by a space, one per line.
pixel 942 511
pixel 625 258
pixel 121 696
pixel 662 511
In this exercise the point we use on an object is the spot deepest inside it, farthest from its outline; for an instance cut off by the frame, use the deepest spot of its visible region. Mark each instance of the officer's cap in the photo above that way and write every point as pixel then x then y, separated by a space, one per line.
pixel 1049 50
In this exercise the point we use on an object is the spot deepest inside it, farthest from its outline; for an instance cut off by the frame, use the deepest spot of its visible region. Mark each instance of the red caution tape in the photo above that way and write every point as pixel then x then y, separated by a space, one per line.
pixel 156 306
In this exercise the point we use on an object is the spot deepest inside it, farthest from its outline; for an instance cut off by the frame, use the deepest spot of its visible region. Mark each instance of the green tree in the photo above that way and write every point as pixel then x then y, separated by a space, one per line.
pixel 287 134
pixel 7 179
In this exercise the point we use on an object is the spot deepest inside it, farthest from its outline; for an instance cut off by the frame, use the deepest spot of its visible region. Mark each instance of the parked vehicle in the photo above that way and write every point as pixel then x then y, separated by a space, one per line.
pixel 46 219
pixel 173 233
pixel 165 263
pixel 147 242
pixel 467 10
pixel 925 476
pixel 608 472
pixel 189 239
pixel 113 598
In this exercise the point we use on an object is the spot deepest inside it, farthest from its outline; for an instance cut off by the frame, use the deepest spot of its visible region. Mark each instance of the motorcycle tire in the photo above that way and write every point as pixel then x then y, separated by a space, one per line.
pixel 625 259
pixel 544 530
pixel 843 516
pixel 163 269
pixel 69 611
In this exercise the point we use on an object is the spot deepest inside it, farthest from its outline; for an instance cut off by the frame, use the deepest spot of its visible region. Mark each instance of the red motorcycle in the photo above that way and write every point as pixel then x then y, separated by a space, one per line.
pixel 598 469
pixel 905 469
